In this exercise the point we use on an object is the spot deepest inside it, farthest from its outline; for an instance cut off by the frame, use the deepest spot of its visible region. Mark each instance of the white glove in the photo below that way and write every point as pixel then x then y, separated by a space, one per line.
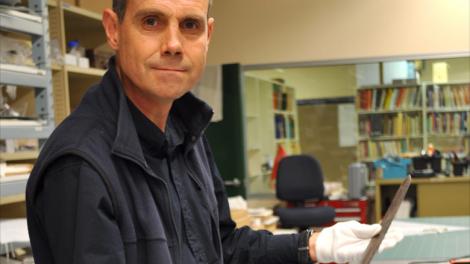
pixel 347 241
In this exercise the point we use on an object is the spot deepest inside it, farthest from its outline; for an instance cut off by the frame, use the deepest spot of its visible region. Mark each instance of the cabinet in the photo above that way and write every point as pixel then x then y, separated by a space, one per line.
pixel 33 86
pixel 271 120
pixel 403 119
pixel 438 196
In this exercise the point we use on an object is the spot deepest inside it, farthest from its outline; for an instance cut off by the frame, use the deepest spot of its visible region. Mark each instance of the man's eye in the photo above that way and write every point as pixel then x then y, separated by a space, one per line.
pixel 190 24
pixel 151 22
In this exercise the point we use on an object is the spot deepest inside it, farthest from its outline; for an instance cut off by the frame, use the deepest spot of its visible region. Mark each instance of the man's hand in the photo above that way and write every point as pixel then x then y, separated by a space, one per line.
pixel 347 242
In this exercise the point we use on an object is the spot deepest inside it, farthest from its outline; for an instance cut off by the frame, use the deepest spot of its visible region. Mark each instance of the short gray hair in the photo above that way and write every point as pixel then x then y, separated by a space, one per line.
pixel 119 7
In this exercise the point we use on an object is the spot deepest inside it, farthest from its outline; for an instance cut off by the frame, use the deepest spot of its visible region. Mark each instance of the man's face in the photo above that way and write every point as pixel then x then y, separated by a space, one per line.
pixel 161 46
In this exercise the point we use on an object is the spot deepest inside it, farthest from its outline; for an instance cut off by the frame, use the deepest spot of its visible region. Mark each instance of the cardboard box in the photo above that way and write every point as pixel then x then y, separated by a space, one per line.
pixel 95 6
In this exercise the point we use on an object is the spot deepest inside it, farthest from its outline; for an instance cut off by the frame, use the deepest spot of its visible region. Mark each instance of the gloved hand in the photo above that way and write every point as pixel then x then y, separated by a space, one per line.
pixel 347 241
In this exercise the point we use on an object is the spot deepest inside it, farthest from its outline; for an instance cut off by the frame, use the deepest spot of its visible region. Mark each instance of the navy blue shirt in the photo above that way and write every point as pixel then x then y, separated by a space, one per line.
pixel 160 151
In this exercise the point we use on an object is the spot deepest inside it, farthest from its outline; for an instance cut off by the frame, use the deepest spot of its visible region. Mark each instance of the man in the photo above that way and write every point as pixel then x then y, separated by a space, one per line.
pixel 129 177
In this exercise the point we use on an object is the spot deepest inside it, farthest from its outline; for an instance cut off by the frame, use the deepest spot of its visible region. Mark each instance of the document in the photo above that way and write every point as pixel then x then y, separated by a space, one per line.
pixel 347 125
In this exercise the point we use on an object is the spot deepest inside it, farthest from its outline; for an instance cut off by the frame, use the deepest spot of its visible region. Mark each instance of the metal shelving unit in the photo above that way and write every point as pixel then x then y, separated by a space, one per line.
pixel 40 79
pixel 19 24
pixel 423 110
pixel 42 83
pixel 12 188
pixel 22 78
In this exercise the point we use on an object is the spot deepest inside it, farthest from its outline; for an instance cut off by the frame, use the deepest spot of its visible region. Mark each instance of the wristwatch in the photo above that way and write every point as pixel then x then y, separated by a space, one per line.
pixel 303 247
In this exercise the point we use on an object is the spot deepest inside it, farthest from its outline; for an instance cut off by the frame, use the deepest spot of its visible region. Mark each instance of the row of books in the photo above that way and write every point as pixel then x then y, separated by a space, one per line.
pixel 284 126
pixel 389 98
pixel 385 148
pixel 281 99
pixel 448 96
pixel 448 123
pixel 390 125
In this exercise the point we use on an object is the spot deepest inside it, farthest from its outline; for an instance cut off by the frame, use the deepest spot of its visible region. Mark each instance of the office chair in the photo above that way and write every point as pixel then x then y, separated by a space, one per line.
pixel 300 178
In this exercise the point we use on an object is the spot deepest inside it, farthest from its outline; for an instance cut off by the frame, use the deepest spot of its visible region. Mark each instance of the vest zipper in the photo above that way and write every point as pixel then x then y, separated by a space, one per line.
pixel 147 170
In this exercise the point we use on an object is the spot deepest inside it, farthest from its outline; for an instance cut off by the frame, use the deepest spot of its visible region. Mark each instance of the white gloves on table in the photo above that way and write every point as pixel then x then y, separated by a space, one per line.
pixel 347 241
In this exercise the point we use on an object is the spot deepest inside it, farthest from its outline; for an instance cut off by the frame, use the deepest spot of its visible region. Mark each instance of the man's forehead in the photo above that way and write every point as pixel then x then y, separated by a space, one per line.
pixel 194 4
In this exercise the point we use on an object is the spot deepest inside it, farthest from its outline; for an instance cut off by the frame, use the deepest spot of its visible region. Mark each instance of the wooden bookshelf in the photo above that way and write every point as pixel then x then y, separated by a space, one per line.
pixel 77 71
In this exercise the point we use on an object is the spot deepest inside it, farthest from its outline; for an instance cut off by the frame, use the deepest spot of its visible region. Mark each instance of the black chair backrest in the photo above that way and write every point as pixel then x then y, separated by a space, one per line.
pixel 299 178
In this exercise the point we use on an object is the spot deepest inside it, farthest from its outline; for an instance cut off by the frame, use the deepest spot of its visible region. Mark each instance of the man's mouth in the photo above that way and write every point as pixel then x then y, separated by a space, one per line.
pixel 170 69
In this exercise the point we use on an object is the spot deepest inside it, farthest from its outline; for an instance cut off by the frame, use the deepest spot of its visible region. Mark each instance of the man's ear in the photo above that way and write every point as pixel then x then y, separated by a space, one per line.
pixel 111 26
pixel 210 29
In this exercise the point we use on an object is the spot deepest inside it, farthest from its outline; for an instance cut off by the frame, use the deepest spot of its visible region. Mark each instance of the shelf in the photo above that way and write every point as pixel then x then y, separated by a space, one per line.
pixel 409 110
pixel 52 3
pixel 20 24
pixel 71 11
pixel 56 67
pixel 285 140
pixel 443 135
pixel 22 78
pixel 84 26
pixel 13 129
pixel 448 83
pixel 12 188
pixel 448 109
pixel 12 199
pixel 387 86
pixel 20 155
pixel 379 138
pixel 285 112
pixel 77 71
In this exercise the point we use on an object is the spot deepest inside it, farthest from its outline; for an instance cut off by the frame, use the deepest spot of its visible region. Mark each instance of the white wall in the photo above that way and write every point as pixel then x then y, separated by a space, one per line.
pixel 315 82
pixel 274 31
pixel 458 71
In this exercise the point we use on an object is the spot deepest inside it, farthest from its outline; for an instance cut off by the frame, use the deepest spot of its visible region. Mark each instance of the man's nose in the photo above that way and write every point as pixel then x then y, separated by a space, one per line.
pixel 172 41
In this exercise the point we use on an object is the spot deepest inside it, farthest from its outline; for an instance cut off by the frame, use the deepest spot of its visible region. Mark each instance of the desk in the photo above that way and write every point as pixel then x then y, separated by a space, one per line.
pixel 430 247
pixel 437 196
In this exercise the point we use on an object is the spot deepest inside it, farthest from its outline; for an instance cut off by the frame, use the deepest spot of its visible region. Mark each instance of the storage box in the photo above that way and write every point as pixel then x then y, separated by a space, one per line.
pixel 95 6
pixel 393 168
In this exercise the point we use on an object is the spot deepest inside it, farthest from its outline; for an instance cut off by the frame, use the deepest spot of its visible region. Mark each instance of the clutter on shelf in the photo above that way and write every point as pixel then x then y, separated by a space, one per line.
pixel 75 55
pixel 15 50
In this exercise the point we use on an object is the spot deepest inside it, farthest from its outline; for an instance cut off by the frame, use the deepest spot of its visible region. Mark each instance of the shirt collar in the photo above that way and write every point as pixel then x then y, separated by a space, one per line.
pixel 154 141
pixel 193 114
